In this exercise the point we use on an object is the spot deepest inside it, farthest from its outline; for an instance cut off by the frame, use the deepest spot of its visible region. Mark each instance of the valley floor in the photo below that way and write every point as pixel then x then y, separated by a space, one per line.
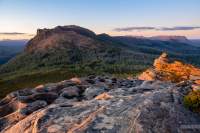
pixel 16 81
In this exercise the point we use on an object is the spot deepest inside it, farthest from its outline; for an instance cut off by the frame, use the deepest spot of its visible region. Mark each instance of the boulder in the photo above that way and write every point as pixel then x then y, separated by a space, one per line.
pixel 70 92
pixel 93 91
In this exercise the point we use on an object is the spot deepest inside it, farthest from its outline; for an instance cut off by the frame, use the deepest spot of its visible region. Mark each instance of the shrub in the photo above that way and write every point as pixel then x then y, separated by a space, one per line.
pixel 192 101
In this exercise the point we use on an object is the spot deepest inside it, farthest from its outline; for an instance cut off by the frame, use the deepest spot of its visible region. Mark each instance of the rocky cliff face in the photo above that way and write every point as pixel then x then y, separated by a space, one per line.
pixel 98 104
pixel 61 37
pixel 176 71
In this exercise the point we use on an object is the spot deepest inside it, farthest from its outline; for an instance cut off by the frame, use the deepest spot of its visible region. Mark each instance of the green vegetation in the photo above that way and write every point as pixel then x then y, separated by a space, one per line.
pixel 12 83
pixel 192 101
pixel 26 79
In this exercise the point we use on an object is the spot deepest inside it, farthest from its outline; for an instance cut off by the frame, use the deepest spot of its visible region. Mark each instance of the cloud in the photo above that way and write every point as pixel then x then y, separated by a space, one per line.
pixel 177 28
pixel 133 28
pixel 12 33
pixel 15 35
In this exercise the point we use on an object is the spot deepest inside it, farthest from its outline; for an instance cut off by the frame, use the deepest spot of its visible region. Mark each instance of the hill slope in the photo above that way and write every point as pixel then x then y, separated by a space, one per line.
pixel 176 49
pixel 73 46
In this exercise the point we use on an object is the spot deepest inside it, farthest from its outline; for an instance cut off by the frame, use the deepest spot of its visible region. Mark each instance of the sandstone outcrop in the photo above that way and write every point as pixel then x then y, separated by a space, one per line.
pixel 61 37
pixel 98 104
pixel 176 71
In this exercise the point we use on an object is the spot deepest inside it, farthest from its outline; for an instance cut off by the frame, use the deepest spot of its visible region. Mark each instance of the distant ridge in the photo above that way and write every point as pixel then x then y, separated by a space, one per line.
pixel 170 38
pixel 75 48
pixel 9 48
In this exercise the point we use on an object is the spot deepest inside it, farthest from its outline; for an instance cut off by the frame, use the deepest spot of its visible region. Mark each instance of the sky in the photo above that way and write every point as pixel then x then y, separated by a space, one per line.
pixel 21 18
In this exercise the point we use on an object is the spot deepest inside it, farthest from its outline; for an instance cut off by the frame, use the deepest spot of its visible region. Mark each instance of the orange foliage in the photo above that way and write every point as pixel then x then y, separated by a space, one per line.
pixel 197 82
pixel 174 72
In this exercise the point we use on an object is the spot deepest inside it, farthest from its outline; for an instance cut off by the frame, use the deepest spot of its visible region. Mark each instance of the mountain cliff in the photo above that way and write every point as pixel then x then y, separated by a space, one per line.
pixel 61 37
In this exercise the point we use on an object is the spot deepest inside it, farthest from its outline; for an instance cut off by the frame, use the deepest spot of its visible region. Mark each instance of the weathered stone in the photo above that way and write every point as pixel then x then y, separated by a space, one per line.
pixel 170 71
pixel 70 92
pixel 76 80
pixel 91 81
pixel 196 87
pixel 111 107
pixel 93 91
pixel 33 107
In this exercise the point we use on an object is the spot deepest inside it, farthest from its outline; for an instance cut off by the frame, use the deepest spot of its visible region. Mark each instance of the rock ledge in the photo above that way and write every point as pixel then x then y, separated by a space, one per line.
pixel 97 104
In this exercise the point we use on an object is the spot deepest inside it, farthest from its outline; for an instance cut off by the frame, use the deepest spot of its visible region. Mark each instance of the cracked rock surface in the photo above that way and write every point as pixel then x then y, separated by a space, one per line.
pixel 98 104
